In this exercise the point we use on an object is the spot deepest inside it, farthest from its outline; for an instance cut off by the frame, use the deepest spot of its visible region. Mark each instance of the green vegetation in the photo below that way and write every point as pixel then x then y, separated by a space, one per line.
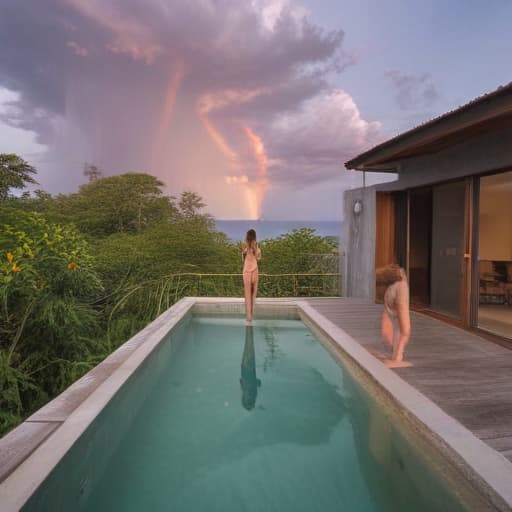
pixel 14 173
pixel 81 273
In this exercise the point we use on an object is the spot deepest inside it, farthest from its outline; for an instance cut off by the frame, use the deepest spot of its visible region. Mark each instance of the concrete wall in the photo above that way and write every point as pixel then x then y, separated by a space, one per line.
pixel 359 261
pixel 481 154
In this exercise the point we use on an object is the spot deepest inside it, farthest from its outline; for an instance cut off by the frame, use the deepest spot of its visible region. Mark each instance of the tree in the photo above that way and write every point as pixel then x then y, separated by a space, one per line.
pixel 144 273
pixel 190 204
pixel 48 325
pixel 125 203
pixel 92 172
pixel 297 252
pixel 293 251
pixel 14 173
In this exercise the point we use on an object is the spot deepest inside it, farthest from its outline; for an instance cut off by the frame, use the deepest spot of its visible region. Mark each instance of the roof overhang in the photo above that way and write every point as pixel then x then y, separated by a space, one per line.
pixel 486 114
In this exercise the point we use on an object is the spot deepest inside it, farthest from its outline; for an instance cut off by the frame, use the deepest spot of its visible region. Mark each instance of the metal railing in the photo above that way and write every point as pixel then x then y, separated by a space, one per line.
pixel 327 284
pixel 150 298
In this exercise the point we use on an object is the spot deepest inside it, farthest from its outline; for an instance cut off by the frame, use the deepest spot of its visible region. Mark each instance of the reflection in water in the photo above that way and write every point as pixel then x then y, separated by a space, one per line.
pixel 394 464
pixel 248 380
pixel 273 352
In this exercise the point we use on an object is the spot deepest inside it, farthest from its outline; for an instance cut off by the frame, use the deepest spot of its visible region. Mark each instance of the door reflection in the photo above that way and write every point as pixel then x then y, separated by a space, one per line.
pixel 248 380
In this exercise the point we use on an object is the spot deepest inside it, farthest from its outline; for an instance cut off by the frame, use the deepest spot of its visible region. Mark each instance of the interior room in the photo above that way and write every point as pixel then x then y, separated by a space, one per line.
pixel 495 254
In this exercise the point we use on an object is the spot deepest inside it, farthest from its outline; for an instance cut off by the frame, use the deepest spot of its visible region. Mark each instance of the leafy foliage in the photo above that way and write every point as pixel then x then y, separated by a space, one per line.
pixel 14 173
pixel 126 203
pixel 81 273
pixel 47 283
pixel 299 252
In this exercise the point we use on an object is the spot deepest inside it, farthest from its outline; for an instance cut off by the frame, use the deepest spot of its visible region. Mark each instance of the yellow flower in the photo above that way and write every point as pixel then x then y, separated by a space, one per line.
pixel 10 256
pixel 72 266
pixel 15 268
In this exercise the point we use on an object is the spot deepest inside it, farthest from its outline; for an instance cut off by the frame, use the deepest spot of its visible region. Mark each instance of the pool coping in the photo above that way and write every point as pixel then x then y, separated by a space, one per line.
pixel 485 468
pixel 30 451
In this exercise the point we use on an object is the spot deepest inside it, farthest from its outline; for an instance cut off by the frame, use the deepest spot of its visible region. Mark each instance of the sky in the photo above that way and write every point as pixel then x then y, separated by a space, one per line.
pixel 253 104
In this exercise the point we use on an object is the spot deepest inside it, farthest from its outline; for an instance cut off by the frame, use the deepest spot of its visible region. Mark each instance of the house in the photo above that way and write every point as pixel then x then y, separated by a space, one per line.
pixel 447 219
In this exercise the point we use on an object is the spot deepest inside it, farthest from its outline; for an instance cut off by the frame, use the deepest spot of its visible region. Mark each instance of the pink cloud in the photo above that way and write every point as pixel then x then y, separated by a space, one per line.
pixel 168 87
pixel 77 49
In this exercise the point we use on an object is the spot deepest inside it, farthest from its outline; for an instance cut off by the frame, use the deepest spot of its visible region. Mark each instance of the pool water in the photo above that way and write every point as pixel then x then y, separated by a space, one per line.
pixel 229 417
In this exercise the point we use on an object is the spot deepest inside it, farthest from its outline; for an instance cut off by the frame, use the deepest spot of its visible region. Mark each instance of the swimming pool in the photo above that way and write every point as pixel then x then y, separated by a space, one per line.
pixel 222 416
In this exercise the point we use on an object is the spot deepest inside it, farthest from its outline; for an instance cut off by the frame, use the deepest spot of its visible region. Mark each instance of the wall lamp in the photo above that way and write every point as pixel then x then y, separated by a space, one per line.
pixel 358 207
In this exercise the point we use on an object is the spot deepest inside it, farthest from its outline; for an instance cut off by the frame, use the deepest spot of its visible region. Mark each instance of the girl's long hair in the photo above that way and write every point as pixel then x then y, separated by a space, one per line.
pixel 250 238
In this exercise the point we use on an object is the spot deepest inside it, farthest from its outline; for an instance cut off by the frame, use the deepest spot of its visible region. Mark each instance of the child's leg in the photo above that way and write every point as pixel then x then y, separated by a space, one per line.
pixel 387 328
pixel 398 349
pixel 404 323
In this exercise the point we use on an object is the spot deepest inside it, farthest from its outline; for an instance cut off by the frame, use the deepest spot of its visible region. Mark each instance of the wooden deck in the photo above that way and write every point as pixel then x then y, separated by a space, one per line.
pixel 469 377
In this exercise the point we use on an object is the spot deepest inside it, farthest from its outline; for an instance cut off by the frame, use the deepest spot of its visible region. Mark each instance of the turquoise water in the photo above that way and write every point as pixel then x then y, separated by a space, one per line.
pixel 225 417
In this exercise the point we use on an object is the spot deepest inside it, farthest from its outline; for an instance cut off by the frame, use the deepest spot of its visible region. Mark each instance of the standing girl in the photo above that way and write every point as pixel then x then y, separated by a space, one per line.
pixel 251 254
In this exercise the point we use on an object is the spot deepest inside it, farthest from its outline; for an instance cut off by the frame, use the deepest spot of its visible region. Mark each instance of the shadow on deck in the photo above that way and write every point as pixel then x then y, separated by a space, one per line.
pixel 469 377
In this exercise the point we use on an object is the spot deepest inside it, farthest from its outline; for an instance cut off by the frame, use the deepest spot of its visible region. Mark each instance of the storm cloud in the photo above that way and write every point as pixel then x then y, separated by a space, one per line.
pixel 228 98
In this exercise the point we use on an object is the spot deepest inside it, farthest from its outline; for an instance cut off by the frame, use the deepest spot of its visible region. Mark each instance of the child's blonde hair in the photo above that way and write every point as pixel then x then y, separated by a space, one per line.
pixel 389 274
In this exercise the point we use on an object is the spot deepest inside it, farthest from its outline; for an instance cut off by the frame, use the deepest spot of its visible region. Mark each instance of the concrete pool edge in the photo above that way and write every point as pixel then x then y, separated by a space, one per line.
pixel 490 472
pixel 24 479
pixel 486 469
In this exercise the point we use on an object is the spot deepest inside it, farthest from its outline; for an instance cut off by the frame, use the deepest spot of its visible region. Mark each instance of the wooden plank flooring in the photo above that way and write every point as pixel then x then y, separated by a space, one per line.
pixel 469 377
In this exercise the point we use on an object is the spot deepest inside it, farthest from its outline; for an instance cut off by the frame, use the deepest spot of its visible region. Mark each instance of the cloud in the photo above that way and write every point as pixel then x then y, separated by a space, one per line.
pixel 77 49
pixel 314 140
pixel 192 92
pixel 12 138
pixel 412 91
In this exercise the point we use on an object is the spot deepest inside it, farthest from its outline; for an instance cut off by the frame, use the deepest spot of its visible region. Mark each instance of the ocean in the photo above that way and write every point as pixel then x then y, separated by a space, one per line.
pixel 265 229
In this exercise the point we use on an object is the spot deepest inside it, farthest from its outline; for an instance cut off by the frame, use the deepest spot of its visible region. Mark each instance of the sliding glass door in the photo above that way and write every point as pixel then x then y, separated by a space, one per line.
pixel 447 249
pixel 420 243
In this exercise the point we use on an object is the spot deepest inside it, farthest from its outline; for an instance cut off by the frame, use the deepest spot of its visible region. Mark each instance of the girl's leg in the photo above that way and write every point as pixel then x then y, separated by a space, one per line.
pixel 248 296
pixel 254 282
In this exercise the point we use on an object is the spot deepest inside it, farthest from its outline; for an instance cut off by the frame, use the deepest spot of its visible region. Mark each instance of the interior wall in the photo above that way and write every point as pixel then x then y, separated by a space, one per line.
pixel 495 245
pixel 495 223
